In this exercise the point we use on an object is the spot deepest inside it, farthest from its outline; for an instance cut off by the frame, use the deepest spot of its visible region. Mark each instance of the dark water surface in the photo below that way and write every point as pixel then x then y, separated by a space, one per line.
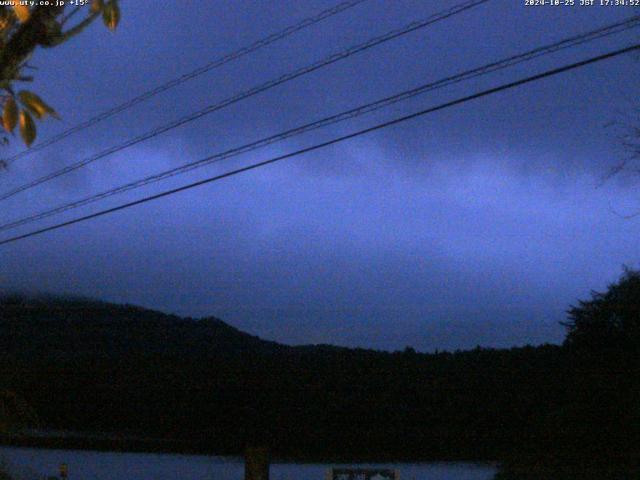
pixel 29 463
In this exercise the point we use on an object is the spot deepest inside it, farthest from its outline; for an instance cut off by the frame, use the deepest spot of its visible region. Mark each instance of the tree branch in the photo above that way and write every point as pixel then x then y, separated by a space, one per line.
pixel 72 32
pixel 34 32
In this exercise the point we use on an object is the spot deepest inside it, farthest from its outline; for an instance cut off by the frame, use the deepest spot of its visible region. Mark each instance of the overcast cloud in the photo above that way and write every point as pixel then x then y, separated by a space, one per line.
pixel 479 224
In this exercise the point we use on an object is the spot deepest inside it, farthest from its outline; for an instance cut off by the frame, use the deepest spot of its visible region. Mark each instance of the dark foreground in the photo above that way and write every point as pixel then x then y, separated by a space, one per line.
pixel 202 386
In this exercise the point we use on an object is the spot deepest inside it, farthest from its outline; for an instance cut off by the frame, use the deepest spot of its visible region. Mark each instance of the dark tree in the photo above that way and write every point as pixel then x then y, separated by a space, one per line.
pixel 609 320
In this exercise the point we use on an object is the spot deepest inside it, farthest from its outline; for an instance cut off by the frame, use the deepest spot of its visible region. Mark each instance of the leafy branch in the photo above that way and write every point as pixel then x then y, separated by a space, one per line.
pixel 22 30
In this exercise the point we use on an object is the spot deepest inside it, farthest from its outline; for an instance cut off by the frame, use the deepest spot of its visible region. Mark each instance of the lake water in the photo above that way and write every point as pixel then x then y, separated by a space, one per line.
pixel 30 463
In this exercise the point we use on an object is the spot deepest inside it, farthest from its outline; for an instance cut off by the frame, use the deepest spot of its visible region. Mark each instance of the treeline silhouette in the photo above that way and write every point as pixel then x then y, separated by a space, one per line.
pixel 203 386
pixel 592 430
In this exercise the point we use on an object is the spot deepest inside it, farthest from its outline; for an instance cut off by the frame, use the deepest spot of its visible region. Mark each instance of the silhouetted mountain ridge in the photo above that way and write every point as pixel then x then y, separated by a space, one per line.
pixel 71 326
pixel 87 365
pixel 91 366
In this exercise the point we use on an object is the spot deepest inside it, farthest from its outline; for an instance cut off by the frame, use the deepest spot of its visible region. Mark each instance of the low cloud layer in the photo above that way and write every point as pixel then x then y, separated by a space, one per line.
pixel 480 224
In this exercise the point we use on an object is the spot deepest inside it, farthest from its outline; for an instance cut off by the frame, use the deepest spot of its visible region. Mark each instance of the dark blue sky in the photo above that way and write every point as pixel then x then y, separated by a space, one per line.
pixel 479 224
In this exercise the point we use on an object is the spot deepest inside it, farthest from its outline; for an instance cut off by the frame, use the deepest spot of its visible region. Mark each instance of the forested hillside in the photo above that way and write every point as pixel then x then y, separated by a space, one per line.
pixel 97 367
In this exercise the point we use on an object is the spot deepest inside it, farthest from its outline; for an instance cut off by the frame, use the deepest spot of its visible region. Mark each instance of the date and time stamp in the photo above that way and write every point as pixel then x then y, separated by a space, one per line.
pixel 527 3
pixel 581 3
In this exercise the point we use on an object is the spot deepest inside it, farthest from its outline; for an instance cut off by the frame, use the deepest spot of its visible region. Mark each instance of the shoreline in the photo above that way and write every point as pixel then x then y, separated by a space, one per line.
pixel 181 447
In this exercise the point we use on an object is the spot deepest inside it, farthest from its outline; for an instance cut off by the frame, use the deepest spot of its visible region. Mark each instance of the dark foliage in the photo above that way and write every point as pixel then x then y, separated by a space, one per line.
pixel 593 432
pixel 610 321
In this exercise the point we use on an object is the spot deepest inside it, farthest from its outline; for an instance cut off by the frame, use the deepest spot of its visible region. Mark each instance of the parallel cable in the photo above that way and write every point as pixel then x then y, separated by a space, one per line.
pixel 322 145
pixel 632 22
pixel 411 27
pixel 257 45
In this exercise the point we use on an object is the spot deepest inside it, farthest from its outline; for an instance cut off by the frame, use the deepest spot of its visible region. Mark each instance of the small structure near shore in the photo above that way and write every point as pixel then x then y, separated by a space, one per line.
pixel 256 463
pixel 362 474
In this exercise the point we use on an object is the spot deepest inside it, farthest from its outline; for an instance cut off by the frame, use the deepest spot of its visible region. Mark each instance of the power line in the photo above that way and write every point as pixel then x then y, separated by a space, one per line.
pixel 257 45
pixel 411 27
pixel 319 146
pixel 573 41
